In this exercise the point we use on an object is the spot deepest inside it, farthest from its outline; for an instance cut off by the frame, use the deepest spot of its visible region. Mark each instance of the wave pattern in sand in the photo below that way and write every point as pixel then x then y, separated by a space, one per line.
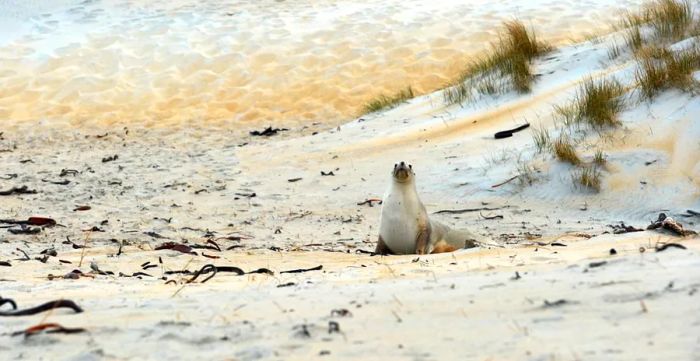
pixel 185 62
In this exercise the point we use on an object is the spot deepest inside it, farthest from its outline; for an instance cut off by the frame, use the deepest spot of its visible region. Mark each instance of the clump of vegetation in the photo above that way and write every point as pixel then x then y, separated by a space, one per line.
pixel 508 59
pixel 526 173
pixel 667 19
pixel 633 38
pixel 564 150
pixel 660 69
pixel 599 158
pixel 597 104
pixel 387 102
pixel 614 52
pixel 588 176
pixel 542 139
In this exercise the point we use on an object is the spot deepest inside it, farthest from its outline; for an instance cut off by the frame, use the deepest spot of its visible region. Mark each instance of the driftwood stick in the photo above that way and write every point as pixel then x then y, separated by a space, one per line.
pixel 504 182
pixel 467 210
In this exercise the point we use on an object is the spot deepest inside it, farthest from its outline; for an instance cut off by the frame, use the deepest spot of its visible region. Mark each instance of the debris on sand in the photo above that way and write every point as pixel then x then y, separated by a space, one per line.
pixel 38 309
pixel 176 247
pixel 623 228
pixel 110 159
pixel 269 131
pixel 557 303
pixel 23 229
pixel 670 224
pixel 18 190
pixel 509 133
pixel 48 328
pixel 665 246
pixel 370 202
pixel 72 275
pixel 300 270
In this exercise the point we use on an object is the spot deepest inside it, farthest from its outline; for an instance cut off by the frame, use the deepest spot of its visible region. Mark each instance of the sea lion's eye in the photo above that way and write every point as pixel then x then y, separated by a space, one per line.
pixel 410 166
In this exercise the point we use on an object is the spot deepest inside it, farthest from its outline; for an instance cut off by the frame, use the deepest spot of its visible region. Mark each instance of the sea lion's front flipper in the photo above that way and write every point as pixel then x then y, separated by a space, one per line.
pixel 423 238
pixel 382 248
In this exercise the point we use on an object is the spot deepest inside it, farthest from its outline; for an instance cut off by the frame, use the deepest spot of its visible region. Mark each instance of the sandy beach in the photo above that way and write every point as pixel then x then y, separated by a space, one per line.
pixel 138 194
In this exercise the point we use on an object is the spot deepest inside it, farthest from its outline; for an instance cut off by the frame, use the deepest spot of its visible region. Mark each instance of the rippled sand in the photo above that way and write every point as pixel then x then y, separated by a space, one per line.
pixel 187 62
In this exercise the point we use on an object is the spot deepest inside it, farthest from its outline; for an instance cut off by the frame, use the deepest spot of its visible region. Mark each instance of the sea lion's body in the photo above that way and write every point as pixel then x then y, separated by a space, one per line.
pixel 405 227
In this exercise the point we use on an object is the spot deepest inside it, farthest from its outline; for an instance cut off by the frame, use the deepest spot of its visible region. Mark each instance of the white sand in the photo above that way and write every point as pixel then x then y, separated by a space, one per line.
pixel 464 305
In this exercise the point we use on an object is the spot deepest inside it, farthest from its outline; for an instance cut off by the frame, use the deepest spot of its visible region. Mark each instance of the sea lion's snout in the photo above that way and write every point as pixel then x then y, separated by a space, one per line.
pixel 402 171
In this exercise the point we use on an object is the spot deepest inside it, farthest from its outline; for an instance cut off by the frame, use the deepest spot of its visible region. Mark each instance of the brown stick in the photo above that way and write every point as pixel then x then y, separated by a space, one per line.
pixel 504 182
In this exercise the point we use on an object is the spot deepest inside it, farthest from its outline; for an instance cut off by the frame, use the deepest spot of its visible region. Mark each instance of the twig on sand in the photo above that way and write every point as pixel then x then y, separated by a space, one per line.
pixel 26 256
pixel 466 210
pixel 300 270
pixel 398 319
pixel 557 303
pixel 505 182
pixel 82 253
pixel 369 201
pixel 297 215
pixel 498 216
pixel 51 327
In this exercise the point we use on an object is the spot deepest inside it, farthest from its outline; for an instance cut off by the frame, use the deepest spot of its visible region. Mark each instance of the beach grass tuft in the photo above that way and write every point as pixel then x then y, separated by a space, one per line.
pixel 599 158
pixel 383 102
pixel 588 176
pixel 668 20
pixel 564 150
pixel 509 59
pixel 597 103
pixel 659 69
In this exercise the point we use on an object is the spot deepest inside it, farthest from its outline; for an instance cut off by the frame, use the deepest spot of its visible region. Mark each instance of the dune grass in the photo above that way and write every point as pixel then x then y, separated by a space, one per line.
pixel 597 103
pixel 668 20
pixel 599 158
pixel 614 51
pixel 660 69
pixel 564 150
pixel 509 59
pixel 383 102
pixel 588 176
pixel 542 139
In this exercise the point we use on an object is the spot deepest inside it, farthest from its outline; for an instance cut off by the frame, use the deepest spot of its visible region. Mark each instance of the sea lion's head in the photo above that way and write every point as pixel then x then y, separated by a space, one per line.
pixel 403 172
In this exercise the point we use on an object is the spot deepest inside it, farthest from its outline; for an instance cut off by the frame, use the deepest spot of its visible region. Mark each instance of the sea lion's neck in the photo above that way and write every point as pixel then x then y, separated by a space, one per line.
pixel 405 189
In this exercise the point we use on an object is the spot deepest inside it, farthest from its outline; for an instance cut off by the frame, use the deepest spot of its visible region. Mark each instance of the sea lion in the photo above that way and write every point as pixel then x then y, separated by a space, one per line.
pixel 404 225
